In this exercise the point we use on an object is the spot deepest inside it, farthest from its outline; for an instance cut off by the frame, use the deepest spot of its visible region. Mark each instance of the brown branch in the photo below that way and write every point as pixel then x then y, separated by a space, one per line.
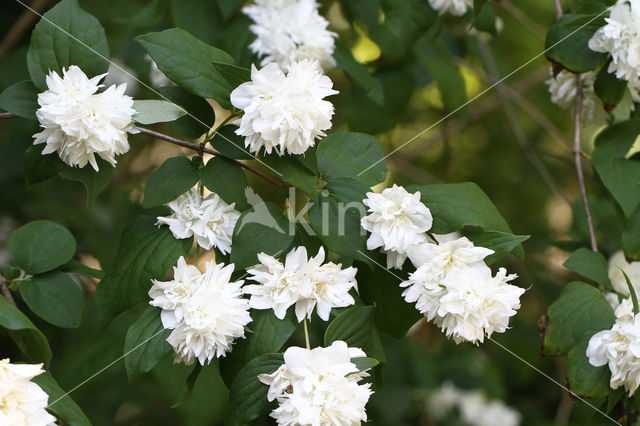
pixel 6 293
pixel 577 152
pixel 200 149
pixel 558 6
pixel 7 115
pixel 20 26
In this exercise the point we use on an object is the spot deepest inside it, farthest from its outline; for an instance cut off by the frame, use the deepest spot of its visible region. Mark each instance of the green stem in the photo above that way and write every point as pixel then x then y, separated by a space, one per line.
pixel 306 334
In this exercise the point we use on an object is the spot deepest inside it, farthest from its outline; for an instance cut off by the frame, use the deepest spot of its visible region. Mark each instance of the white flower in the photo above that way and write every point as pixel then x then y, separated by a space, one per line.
pixel 22 402
pixel 563 91
pixel 434 263
pixel 617 265
pixel 621 38
pixel 319 387
pixel 620 348
pixel 454 7
pixel 290 30
pixel 397 222
pixel 156 77
pixel 474 407
pixel 205 310
pixel 211 220
pixel 78 123
pixel 307 283
pixel 477 303
pixel 284 113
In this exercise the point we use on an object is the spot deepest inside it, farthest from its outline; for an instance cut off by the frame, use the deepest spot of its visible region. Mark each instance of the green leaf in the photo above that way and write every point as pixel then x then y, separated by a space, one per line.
pixel 609 89
pixel 268 335
pixel 580 308
pixel 94 182
pixel 632 292
pixel 26 336
pixel 293 171
pixel 631 236
pixel 359 74
pixel 353 155
pixel 357 327
pixel 145 344
pixel 381 287
pixel 365 363
pixel 486 20
pixel 41 246
pixel 477 7
pixel 234 75
pixel 262 228
pixel 247 395
pixel 55 298
pixel 500 242
pixel 200 116
pixel 67 35
pixel 60 403
pixel 227 179
pixel 173 178
pixel 619 174
pixel 585 379
pixel 591 265
pixel 156 111
pixel 229 144
pixel 335 218
pixel 173 48
pixel 457 205
pixel 20 99
pixel 38 167
pixel 567 42
pixel 146 252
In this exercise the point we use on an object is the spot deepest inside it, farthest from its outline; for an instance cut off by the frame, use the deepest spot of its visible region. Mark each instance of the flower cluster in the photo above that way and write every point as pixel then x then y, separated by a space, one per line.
pixel 319 387
pixel 474 408
pixel 563 90
pixel 290 30
pixel 620 348
pixel 205 310
pixel 620 37
pixel 285 113
pixel 22 402
pixel 397 221
pixel 452 285
pixel 454 7
pixel 211 220
pixel 79 123
pixel 305 283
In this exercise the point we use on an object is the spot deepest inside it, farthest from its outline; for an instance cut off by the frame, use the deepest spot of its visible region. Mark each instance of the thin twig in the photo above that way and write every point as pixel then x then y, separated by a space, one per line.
pixel 577 151
pixel 7 115
pixel 517 131
pixel 558 6
pixel 6 293
pixel 202 150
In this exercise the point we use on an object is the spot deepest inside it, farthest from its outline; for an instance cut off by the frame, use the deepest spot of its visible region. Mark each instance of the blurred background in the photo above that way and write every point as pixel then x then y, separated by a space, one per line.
pixel 512 141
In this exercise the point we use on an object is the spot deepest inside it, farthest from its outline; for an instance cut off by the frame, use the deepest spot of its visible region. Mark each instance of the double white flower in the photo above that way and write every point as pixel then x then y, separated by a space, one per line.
pixel 22 402
pixel 78 123
pixel 285 113
pixel 620 37
pixel 211 220
pixel 205 310
pixel 319 387
pixel 454 7
pixel 397 221
pixel 563 90
pixel 305 283
pixel 290 30
pixel 455 288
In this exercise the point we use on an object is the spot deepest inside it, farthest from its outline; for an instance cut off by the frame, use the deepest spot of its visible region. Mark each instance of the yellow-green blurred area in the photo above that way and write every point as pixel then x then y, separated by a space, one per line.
pixel 458 105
